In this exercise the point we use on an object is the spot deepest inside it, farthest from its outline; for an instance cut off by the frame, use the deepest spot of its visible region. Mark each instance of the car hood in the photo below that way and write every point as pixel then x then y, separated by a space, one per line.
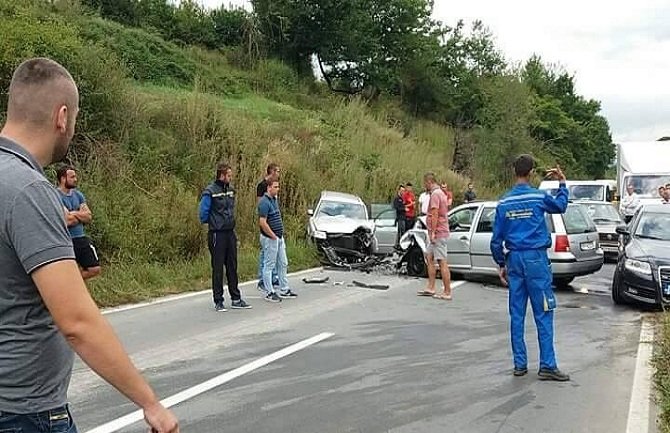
pixel 343 225
pixel 649 249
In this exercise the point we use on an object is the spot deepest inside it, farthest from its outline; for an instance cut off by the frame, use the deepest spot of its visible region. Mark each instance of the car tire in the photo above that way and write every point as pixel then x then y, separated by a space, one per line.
pixel 416 264
pixel 617 297
pixel 563 283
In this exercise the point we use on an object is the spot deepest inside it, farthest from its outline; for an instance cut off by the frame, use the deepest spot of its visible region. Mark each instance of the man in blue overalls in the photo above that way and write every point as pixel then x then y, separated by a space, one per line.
pixel 520 224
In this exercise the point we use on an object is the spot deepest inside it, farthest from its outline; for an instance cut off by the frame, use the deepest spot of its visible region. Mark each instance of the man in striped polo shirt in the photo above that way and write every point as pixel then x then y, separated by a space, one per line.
pixel 273 245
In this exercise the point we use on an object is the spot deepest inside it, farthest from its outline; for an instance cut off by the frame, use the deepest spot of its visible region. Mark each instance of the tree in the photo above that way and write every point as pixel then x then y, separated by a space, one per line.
pixel 567 124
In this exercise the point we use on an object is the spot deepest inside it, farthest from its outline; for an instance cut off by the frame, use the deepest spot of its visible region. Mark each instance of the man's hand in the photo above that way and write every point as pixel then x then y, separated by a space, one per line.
pixel 432 236
pixel 502 272
pixel 161 420
pixel 556 174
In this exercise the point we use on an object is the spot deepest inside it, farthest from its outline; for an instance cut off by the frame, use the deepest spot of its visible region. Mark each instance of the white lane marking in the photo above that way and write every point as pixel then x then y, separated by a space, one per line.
pixel 172 298
pixel 196 390
pixel 458 283
pixel 638 411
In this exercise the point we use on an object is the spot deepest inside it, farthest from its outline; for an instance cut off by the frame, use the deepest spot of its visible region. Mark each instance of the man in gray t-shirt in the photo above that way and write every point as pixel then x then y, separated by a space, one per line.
pixel 45 308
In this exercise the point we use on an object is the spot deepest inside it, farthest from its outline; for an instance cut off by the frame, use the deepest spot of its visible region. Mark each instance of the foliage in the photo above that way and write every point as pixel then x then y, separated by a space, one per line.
pixel 160 109
pixel 567 124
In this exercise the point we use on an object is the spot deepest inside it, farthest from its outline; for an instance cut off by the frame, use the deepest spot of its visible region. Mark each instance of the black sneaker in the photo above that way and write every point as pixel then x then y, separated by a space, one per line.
pixel 219 307
pixel 288 295
pixel 240 305
pixel 555 374
pixel 272 297
pixel 518 372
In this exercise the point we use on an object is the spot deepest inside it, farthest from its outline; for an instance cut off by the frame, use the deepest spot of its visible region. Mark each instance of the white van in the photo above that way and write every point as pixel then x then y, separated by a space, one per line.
pixel 593 190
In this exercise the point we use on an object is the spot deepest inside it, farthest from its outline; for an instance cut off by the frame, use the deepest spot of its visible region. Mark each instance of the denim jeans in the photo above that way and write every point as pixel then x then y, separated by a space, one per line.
pixel 274 257
pixel 275 277
pixel 57 420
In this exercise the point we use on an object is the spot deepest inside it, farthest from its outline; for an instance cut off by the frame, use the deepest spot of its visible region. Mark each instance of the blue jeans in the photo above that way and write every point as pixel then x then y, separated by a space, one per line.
pixel 274 258
pixel 57 420
pixel 275 277
pixel 529 276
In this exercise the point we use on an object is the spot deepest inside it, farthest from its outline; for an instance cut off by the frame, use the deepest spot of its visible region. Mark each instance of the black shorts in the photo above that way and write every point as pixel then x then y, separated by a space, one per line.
pixel 85 253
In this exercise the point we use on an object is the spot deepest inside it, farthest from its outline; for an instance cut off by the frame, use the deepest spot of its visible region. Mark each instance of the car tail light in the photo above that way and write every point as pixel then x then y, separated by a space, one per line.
pixel 562 244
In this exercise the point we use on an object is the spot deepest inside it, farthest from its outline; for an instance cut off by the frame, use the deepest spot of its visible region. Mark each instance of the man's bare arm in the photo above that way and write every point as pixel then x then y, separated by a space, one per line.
pixel 70 218
pixel 78 318
pixel 84 214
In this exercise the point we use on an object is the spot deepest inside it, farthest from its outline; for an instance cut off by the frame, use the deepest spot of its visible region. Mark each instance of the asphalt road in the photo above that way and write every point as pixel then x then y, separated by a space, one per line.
pixel 396 362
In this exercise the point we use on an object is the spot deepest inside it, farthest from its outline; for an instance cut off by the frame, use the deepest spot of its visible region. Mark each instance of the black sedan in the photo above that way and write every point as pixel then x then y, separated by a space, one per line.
pixel 643 267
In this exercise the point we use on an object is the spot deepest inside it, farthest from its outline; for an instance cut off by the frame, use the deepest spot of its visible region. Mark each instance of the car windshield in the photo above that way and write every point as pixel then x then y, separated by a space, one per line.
pixel 341 209
pixel 654 225
pixel 646 185
pixel 577 220
pixel 583 192
pixel 603 213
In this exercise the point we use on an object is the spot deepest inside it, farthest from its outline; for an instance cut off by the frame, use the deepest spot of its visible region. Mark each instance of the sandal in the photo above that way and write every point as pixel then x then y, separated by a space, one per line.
pixel 442 297
pixel 425 293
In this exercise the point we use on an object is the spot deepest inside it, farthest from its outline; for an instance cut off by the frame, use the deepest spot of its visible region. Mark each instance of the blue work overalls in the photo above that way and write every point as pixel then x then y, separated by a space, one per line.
pixel 520 224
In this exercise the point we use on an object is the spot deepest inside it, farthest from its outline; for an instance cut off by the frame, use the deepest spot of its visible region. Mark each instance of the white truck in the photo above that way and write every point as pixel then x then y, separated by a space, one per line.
pixel 645 165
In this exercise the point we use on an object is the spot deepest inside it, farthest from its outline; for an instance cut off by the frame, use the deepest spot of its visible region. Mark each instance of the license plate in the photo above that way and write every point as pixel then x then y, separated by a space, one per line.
pixel 666 290
pixel 588 246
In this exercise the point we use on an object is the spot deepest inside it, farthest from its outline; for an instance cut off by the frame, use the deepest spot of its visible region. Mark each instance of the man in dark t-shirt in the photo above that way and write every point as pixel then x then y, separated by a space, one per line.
pixel 77 213
pixel 271 175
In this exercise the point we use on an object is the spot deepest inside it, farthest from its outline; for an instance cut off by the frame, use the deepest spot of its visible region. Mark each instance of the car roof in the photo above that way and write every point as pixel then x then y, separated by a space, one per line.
pixel 340 197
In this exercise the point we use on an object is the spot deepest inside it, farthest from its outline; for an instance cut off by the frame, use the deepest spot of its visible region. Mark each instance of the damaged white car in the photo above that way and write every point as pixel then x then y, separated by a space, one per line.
pixel 340 227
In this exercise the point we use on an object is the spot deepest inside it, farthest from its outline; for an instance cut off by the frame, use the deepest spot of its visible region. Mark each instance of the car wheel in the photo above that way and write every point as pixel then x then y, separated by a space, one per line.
pixel 416 264
pixel 563 283
pixel 617 297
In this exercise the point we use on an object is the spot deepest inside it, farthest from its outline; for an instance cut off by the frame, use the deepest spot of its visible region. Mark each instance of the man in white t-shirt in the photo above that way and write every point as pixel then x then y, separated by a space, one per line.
pixel 424 201
pixel 629 203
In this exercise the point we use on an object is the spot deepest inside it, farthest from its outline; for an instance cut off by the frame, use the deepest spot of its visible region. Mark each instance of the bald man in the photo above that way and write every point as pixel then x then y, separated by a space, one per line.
pixel 40 282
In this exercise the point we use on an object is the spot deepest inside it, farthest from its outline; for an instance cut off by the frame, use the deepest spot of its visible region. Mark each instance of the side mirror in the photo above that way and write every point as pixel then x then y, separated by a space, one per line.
pixel 623 230
pixel 310 212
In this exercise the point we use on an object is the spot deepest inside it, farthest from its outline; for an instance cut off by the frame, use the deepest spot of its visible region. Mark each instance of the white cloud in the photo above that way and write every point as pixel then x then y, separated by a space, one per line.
pixel 618 53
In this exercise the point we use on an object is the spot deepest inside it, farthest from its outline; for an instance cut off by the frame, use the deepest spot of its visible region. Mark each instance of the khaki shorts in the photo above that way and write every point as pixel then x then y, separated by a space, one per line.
pixel 438 249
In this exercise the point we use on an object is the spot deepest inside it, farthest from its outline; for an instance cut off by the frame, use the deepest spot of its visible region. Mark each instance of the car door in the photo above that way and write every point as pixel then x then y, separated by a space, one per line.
pixel 461 221
pixel 480 243
pixel 386 229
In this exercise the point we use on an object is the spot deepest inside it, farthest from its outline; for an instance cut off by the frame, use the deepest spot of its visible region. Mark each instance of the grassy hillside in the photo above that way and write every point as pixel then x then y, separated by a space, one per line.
pixel 157 117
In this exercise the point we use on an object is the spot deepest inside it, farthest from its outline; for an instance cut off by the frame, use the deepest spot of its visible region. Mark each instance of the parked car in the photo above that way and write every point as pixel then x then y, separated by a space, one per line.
pixel 607 219
pixel 642 273
pixel 340 227
pixel 575 248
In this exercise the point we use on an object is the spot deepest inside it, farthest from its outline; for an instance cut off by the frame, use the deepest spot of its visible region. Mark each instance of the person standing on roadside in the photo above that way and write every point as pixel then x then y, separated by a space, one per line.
pixel 450 197
pixel 437 222
pixel 271 174
pixel 630 203
pixel 77 213
pixel 470 194
pixel 520 225
pixel 217 210
pixel 45 308
pixel 409 200
pixel 399 206
pixel 424 202
pixel 274 245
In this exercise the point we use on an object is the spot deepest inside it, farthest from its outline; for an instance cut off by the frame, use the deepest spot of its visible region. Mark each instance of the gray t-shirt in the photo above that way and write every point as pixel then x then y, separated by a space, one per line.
pixel 35 359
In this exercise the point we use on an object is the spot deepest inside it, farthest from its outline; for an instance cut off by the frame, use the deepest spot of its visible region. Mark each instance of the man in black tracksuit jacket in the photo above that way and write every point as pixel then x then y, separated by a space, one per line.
pixel 217 210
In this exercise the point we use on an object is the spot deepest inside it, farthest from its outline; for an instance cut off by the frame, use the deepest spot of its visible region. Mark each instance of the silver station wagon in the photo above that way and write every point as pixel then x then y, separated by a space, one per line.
pixel 575 248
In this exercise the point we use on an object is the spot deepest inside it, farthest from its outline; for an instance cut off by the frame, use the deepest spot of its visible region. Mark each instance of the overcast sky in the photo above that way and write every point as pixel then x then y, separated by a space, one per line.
pixel 619 55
